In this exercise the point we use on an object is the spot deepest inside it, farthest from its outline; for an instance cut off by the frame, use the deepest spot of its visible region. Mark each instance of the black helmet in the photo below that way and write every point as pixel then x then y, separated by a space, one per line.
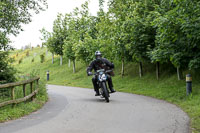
pixel 98 54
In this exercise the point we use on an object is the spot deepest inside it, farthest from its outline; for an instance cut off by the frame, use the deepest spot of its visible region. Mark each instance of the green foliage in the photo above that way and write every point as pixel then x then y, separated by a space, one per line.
pixel 27 53
pixel 9 113
pixel 132 30
pixel 177 33
pixel 20 60
pixel 167 88
pixel 15 13
pixel 7 72
pixel 42 57
pixel 12 15
pixel 136 31
pixel 32 60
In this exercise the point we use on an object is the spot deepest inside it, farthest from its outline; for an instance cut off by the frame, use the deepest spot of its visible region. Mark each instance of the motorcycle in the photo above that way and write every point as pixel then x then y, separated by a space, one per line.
pixel 102 78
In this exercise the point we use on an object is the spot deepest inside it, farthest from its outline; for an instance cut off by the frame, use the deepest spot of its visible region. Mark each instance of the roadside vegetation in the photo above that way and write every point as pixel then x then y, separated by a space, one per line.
pixel 14 111
pixel 11 112
pixel 19 110
pixel 14 14
pixel 153 44
pixel 168 87
pixel 150 41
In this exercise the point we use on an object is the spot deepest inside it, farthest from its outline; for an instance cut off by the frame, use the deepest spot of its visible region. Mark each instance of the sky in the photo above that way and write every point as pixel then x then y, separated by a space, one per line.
pixel 31 34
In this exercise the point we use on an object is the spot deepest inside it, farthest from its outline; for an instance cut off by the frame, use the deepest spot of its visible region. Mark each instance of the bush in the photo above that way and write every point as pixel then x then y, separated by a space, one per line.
pixel 20 60
pixel 7 72
pixel 32 60
pixel 27 53
pixel 42 58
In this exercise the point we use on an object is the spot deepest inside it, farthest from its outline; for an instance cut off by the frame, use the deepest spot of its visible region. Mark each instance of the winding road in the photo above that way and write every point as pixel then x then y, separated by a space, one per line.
pixel 77 110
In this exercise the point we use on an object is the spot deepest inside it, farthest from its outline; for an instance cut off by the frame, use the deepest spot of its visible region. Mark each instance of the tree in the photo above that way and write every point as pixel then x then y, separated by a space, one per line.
pixel 120 31
pixel 141 32
pixel 104 34
pixel 47 41
pixel 69 40
pixel 85 43
pixel 59 34
pixel 177 34
pixel 15 13
pixel 12 15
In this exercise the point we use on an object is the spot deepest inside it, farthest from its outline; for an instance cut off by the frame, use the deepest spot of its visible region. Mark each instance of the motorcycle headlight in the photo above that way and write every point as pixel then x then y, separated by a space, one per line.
pixel 103 77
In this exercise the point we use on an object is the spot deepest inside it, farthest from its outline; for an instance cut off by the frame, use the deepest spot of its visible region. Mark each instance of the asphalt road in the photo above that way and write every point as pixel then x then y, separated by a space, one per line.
pixel 77 110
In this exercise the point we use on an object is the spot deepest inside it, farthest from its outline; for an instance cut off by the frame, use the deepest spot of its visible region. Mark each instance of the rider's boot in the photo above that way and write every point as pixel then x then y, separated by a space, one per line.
pixel 112 90
pixel 97 92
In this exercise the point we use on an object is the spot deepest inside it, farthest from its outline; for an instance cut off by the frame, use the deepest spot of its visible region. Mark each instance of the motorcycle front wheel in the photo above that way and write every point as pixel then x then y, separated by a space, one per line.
pixel 105 91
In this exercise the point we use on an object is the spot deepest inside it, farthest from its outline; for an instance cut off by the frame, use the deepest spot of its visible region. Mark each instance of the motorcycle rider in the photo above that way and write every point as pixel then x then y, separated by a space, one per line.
pixel 100 63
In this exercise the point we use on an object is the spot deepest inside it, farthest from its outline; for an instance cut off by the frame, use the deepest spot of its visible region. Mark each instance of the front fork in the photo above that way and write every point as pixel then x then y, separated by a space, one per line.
pixel 101 87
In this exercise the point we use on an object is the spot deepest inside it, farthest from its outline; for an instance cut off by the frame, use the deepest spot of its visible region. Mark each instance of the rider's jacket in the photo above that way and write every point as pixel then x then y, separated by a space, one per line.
pixel 102 63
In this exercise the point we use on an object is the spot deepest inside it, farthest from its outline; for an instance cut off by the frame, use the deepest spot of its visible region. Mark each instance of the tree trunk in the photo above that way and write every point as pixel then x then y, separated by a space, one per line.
pixel 52 58
pixel 122 73
pixel 157 70
pixel 140 69
pixel 69 64
pixel 61 60
pixel 179 73
pixel 74 68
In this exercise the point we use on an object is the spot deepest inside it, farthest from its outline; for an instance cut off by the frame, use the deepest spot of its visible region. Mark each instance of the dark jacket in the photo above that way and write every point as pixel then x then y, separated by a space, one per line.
pixel 103 63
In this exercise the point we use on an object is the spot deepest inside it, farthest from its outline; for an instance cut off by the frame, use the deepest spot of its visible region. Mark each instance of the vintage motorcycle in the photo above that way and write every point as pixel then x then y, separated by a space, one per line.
pixel 102 78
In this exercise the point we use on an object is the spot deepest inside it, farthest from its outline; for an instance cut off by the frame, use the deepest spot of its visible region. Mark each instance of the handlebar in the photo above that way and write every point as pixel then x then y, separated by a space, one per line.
pixel 101 70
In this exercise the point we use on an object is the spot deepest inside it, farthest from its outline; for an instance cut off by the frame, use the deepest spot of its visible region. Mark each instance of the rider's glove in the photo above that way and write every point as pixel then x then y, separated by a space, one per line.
pixel 112 65
pixel 89 73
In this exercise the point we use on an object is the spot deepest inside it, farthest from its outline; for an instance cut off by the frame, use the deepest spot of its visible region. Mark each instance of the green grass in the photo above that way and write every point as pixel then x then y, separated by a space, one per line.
pixel 167 88
pixel 9 112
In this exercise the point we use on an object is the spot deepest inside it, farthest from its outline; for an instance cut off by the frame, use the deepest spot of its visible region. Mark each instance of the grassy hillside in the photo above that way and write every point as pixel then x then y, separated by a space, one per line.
pixel 8 112
pixel 167 88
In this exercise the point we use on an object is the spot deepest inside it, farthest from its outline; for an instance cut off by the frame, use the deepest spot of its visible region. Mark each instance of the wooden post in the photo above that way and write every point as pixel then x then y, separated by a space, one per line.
pixel 37 86
pixel 24 89
pixel 37 83
pixel 13 95
pixel 31 87
pixel 140 69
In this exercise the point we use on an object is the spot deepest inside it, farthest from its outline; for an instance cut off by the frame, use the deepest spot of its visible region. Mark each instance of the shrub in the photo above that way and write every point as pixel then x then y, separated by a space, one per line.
pixel 32 60
pixel 7 72
pixel 27 53
pixel 20 60
pixel 42 58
